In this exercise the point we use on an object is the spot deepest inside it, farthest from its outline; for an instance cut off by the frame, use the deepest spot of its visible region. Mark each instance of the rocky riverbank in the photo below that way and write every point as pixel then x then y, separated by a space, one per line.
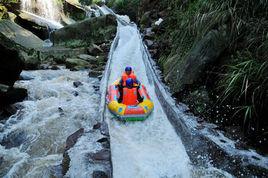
pixel 82 44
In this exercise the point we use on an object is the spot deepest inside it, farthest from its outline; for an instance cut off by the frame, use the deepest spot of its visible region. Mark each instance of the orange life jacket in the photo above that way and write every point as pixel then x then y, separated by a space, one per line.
pixel 130 96
pixel 125 77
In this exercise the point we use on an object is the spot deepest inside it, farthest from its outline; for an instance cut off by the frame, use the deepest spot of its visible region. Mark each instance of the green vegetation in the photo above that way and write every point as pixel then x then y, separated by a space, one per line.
pixel 240 77
pixel 245 85
pixel 3 12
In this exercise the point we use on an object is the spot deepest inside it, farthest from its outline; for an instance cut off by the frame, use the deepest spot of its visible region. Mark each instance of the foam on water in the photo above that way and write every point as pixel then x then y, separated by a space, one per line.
pixel 53 111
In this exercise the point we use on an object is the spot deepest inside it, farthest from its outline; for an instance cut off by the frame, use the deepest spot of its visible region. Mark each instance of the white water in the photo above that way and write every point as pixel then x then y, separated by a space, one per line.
pixel 50 9
pixel 143 149
pixel 51 113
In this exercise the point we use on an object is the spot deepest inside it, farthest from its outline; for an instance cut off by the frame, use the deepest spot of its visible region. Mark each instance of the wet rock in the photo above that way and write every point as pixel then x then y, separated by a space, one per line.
pixel 96 87
pixel 74 9
pixel 30 23
pixel 25 77
pixel 12 95
pixel 102 155
pixel 65 163
pixel 61 111
pixel 12 16
pixel 149 43
pixel 70 142
pixel 99 174
pixel 102 140
pixel 149 34
pixel 1 160
pixel 93 30
pixel 94 50
pixel 97 126
pixel 75 93
pixel 14 139
pixel 76 64
pixel 72 139
pixel 7 111
pixel 23 37
pixel 105 142
pixel 11 65
pixel 54 67
pixel 93 73
pixel 104 129
pixel 88 58
pixel 154 53
pixel 77 84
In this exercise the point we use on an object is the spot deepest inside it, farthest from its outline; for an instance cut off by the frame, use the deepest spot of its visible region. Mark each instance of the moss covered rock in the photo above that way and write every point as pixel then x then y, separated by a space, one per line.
pixel 94 30
pixel 191 69
pixel 3 12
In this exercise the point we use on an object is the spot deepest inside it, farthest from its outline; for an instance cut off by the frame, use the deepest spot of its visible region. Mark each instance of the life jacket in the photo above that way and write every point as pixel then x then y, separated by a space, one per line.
pixel 125 77
pixel 130 96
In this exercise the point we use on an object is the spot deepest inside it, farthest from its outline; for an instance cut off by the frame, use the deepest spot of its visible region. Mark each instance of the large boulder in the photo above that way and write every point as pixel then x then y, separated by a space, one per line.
pixel 25 43
pixel 180 73
pixel 76 64
pixel 74 10
pixel 95 30
pixel 14 36
pixel 10 95
pixel 11 66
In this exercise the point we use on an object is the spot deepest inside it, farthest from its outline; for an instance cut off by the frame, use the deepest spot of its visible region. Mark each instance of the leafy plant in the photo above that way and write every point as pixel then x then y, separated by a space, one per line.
pixel 246 85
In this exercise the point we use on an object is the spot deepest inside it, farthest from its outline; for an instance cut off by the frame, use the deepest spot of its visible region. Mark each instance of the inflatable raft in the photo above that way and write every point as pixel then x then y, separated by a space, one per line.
pixel 137 112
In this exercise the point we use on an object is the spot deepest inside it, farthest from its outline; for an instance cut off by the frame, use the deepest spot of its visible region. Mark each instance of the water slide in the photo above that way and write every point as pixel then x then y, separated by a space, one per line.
pixel 141 149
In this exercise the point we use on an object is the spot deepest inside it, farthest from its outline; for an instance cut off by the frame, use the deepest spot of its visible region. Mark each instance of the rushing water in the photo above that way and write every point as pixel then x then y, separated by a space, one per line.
pixel 50 9
pixel 33 139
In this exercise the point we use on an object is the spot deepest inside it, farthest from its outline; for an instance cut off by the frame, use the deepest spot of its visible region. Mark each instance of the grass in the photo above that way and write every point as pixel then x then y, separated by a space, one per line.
pixel 243 80
pixel 246 84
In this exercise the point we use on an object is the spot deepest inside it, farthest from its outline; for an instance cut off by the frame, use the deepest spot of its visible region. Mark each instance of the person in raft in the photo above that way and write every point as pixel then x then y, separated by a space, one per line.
pixel 129 93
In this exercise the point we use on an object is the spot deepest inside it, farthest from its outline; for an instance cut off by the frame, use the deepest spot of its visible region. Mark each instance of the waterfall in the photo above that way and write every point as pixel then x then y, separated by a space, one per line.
pixel 49 9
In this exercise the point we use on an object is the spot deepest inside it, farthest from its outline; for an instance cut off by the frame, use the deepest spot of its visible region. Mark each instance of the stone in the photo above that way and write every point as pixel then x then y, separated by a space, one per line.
pixel 104 129
pixel 149 43
pixel 146 20
pixel 76 63
pixel 99 174
pixel 74 9
pixel 11 66
pixel 94 50
pixel 77 84
pixel 97 126
pixel 149 34
pixel 65 164
pixel 12 95
pixel 88 58
pixel 102 155
pixel 12 16
pixel 93 30
pixel 93 73
pixel 1 160
pixel 70 142
pixel 72 139
pixel 7 111
pixel 14 139
pixel 12 34
pixel 180 73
